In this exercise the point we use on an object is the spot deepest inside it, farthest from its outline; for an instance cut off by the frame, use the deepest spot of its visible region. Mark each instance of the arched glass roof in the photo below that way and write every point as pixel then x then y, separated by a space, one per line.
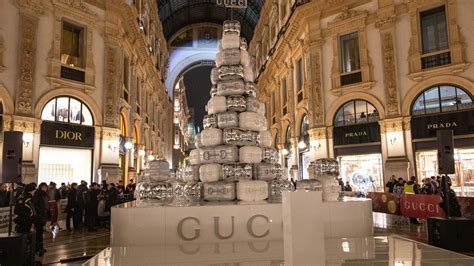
pixel 176 14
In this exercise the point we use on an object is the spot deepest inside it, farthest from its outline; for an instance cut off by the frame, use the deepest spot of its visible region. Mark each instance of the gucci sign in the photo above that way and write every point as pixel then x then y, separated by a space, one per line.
pixel 193 222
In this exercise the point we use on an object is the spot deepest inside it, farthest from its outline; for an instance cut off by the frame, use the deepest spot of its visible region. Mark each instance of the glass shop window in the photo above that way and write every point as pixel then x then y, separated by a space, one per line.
pixel 67 110
pixel 434 38
pixel 356 112
pixel 350 59
pixel 441 99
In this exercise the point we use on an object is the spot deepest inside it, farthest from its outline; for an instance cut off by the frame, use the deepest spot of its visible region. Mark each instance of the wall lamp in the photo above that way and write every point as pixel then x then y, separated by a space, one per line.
pixel 27 139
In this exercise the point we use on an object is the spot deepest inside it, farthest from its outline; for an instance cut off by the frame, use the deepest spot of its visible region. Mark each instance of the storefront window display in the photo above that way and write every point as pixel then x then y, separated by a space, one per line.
pixel 462 180
pixel 54 167
pixel 66 142
pixel 303 147
pixel 438 107
pixel 364 172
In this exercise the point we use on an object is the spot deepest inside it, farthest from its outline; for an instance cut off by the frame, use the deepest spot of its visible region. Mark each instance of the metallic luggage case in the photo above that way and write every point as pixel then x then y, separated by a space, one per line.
pixel 267 171
pixel 227 120
pixel 219 191
pixel 219 154
pixel 237 172
pixel 240 137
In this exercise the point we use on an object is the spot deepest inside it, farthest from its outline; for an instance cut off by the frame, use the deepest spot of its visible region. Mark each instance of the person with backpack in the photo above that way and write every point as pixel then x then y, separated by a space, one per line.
pixel 43 213
pixel 25 210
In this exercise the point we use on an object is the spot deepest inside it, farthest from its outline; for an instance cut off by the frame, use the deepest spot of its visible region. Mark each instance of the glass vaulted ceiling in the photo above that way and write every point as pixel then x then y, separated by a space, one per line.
pixel 176 14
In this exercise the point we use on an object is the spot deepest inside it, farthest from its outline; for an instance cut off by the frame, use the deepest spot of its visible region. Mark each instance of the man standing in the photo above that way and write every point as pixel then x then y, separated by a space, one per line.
pixel 71 208
pixel 25 210
pixel 80 201
pixel 40 200
pixel 92 204
pixel 391 183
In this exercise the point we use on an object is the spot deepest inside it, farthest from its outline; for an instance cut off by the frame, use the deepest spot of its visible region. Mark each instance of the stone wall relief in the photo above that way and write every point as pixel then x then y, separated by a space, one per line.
pixel 2 49
pixel 28 28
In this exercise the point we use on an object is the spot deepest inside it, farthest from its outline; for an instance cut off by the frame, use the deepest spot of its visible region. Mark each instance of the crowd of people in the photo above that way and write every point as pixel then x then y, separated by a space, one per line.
pixel 87 206
pixel 434 185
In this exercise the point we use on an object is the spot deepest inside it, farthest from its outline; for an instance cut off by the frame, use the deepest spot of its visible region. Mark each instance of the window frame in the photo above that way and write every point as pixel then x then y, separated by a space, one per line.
pixel 299 79
pixel 82 39
pixel 284 95
pixel 440 106
pixel 84 106
pixel 424 56
pixel 336 123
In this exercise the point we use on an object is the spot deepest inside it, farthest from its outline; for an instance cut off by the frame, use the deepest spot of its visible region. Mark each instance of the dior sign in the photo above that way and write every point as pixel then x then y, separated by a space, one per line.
pixel 195 223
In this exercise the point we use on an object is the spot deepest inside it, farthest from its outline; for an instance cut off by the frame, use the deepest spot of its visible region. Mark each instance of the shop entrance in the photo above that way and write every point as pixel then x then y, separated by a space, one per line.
pixel 364 172
pixel 462 180
pixel 64 165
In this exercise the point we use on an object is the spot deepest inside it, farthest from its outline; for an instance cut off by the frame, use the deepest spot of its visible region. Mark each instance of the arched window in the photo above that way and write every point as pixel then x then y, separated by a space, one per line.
pixel 67 110
pixel 356 112
pixel 288 135
pixel 304 126
pixel 441 99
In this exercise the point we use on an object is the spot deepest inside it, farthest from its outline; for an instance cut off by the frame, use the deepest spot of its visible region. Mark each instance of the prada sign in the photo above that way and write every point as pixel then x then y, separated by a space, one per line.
pixel 462 123
pixel 62 134
pixel 356 134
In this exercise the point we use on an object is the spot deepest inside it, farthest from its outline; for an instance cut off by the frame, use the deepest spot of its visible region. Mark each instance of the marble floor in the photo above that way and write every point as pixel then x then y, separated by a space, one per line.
pixel 395 243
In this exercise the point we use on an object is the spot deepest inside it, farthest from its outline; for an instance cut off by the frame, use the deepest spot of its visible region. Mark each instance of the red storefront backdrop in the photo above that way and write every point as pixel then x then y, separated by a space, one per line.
pixel 421 206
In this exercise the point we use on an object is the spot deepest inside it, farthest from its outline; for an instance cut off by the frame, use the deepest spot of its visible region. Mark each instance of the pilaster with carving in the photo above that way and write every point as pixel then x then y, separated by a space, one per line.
pixel 27 58
pixel 316 108
pixel 111 104
pixel 2 49
pixel 386 24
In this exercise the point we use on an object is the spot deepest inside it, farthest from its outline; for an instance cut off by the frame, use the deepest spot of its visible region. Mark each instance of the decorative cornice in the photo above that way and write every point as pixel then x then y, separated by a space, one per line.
pixel 34 6
pixel 77 4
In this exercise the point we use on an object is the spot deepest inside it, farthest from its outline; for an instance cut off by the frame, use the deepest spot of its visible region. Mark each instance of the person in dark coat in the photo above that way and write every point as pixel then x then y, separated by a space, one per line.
pixel 40 200
pixel 112 197
pixel 391 183
pixel 25 210
pixel 71 208
pixel 92 203
pixel 80 201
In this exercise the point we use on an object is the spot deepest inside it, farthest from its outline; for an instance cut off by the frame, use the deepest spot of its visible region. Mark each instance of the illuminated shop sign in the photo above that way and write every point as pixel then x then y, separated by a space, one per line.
pixel 70 135
pixel 462 123
pixel 357 134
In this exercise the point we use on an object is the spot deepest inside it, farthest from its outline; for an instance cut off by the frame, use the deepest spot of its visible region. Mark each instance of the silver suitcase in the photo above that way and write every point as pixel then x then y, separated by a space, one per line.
pixel 309 184
pixel 219 191
pixel 278 186
pixel 270 155
pixel 219 154
pixel 191 173
pixel 255 105
pixel 231 87
pixel 267 171
pixel 238 171
pixel 240 137
pixel 227 119
pixel 236 103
